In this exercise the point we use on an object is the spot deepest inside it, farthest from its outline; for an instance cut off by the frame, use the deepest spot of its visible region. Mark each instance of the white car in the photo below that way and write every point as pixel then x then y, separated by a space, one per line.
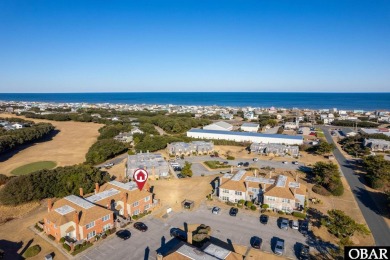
pixel 109 165
pixel 285 162
pixel 295 224
pixel 295 162
pixel 255 159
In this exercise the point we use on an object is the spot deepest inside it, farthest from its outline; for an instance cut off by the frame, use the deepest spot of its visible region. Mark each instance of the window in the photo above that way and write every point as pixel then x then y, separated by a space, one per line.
pixel 225 191
pixel 271 198
pixel 136 212
pixel 286 200
pixel 105 218
pixel 147 198
pixel 254 190
pixel 91 234
pixel 235 200
pixel 135 204
pixel 225 198
pixel 89 225
pixel 147 206
pixel 238 193
pixel 106 227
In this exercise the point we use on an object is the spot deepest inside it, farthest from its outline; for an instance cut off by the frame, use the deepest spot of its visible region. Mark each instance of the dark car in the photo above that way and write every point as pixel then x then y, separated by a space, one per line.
pixel 304 227
pixel 180 176
pixel 256 242
pixel 264 219
pixel 140 226
pixel 124 234
pixel 240 164
pixel 305 253
pixel 178 233
pixel 226 162
pixel 233 212
pixel 246 164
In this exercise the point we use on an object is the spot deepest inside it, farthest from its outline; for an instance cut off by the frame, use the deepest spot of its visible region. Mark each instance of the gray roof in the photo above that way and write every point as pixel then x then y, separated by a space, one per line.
pixel 249 125
pixel 197 130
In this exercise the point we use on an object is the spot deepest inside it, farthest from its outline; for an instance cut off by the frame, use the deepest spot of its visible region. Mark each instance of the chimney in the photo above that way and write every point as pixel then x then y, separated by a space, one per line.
pixel 96 188
pixel 255 172
pixel 81 192
pixel 49 205
pixel 189 238
pixel 159 256
pixel 125 214
pixel 76 221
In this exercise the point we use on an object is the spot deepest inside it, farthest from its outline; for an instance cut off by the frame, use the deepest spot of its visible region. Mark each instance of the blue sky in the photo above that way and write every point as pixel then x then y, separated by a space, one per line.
pixel 106 46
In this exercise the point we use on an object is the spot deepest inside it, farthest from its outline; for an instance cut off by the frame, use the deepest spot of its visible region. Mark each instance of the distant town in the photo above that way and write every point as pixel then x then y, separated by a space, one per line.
pixel 224 182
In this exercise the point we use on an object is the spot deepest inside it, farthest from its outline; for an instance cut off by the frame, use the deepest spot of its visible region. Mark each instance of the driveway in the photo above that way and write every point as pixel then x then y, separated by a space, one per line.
pixel 237 230
pixel 380 230
pixel 115 160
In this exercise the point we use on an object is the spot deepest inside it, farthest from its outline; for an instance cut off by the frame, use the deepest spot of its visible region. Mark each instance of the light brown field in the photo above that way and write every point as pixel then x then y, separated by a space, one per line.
pixel 68 147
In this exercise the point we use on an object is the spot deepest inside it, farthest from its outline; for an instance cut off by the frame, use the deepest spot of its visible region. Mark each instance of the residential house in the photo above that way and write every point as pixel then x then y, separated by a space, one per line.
pixel 219 126
pixel 196 147
pixel 249 115
pixel 279 193
pixel 125 137
pixel 274 149
pixel 17 126
pixel 291 125
pixel 377 145
pixel 136 130
pixel 385 131
pixel 154 163
pixel 76 219
pixel 250 127
pixel 226 116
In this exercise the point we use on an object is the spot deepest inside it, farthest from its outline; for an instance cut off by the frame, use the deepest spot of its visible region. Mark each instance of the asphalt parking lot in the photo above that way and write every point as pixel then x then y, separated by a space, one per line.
pixel 236 230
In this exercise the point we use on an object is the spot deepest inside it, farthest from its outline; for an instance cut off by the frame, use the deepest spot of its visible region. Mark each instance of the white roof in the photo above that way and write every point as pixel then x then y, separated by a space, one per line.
pixel 79 201
pixel 102 195
pixel 250 125
pixel 131 185
pixel 64 210
pixel 220 124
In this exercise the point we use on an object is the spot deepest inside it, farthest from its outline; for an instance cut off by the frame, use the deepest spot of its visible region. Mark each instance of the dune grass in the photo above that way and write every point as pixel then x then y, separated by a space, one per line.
pixel 32 167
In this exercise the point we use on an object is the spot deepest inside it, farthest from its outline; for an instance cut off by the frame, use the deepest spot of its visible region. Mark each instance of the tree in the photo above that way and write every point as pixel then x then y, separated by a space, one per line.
pixel 186 170
pixel 328 176
pixel 323 148
pixel 343 226
pixel 378 171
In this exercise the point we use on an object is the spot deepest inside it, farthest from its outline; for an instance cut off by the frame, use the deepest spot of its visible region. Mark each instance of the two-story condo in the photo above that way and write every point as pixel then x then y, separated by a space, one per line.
pixel 279 193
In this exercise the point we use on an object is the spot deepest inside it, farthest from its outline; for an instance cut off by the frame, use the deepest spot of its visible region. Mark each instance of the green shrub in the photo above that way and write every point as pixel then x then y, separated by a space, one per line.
pixel 62 240
pixel 280 212
pixel 67 247
pixel 373 182
pixel 32 251
pixel 229 203
pixel 338 189
pixel 229 157
pixel 265 206
pixel 108 232
pixel 51 237
pixel 320 190
pixel 248 204
pixel 77 247
pixel 38 228
pixel 253 207
pixel 299 214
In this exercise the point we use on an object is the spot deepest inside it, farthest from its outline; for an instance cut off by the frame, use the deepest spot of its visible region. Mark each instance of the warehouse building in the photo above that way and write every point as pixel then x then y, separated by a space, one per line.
pixel 245 137
pixel 220 126
pixel 250 127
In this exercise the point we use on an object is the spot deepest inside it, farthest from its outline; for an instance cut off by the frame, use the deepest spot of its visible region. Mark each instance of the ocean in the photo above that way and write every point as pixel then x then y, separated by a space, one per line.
pixel 356 101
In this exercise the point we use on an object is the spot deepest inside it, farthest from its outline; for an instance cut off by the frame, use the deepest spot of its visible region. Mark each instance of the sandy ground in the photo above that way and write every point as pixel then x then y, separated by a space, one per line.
pixel 15 235
pixel 68 147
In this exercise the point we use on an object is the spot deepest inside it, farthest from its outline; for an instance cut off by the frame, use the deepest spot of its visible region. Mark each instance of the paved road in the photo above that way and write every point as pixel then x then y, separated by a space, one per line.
pixel 239 230
pixel 375 221
pixel 115 160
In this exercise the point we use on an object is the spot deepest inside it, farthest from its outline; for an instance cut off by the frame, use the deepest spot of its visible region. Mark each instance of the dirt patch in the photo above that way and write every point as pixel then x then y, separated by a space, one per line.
pixel 16 235
pixel 172 192
pixel 68 147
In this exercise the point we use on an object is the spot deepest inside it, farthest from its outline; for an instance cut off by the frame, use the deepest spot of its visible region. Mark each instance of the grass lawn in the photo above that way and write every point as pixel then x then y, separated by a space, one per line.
pixel 215 165
pixel 32 167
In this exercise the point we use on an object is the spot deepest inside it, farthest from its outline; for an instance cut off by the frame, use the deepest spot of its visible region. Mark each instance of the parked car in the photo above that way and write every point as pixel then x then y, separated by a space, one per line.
pixel 140 226
pixel 178 233
pixel 211 155
pixel 256 242
pixel 226 162
pixel 285 162
pixel 109 165
pixel 304 254
pixel 240 164
pixel 279 247
pixel 246 164
pixel 295 224
pixel 295 162
pixel 284 223
pixel 216 210
pixel 180 176
pixel 304 227
pixel 255 159
pixel 264 219
pixel 233 211
pixel 124 234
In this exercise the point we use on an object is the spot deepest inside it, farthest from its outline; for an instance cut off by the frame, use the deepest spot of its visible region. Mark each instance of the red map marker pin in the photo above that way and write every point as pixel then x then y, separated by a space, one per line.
pixel 140 177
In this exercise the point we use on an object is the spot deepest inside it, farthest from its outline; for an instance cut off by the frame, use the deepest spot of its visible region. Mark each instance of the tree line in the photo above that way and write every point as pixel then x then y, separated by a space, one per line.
pixel 327 175
pixel 58 182
pixel 14 138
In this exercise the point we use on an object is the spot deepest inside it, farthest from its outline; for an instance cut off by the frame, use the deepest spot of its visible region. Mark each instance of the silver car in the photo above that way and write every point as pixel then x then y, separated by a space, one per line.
pixel 284 223
pixel 295 224
pixel 279 247
pixel 216 210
